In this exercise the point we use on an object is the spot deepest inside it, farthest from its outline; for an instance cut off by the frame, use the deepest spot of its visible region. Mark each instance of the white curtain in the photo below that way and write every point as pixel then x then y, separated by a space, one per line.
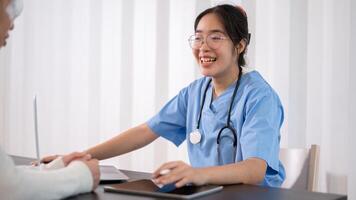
pixel 100 67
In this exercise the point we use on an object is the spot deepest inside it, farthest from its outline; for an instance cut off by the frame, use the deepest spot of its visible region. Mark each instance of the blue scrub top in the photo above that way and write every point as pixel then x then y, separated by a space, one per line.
pixel 257 116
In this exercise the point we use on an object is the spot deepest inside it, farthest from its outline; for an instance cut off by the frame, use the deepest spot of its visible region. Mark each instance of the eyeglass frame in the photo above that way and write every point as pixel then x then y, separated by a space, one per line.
pixel 204 40
pixel 248 39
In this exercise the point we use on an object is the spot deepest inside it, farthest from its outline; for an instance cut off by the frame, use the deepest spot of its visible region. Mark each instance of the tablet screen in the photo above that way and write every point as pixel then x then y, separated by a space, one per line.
pixel 186 190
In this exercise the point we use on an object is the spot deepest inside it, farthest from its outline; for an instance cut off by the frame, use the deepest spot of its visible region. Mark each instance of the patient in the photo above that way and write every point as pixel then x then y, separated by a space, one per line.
pixel 65 176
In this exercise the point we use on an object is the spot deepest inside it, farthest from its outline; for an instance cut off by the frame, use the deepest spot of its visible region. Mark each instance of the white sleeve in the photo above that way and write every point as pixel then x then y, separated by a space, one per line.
pixel 19 183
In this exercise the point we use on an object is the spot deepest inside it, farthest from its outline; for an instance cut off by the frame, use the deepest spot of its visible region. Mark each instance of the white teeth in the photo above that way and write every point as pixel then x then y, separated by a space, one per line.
pixel 205 60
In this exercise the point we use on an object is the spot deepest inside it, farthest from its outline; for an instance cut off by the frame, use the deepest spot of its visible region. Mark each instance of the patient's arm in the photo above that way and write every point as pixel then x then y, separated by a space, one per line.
pixel 22 183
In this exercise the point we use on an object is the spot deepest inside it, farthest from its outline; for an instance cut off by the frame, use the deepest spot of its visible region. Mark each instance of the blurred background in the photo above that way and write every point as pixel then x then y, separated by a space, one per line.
pixel 99 67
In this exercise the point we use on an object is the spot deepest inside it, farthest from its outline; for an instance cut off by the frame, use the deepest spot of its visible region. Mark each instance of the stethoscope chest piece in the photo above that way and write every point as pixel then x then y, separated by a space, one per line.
pixel 195 137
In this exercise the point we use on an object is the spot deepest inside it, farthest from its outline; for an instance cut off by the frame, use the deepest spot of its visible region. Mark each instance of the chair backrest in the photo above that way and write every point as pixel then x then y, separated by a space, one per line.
pixel 301 166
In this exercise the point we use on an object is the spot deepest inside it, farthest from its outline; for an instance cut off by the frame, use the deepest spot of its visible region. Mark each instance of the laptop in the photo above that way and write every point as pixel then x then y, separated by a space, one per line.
pixel 108 173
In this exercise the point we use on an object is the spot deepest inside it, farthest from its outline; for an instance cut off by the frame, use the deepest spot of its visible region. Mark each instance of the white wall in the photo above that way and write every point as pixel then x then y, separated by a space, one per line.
pixel 352 111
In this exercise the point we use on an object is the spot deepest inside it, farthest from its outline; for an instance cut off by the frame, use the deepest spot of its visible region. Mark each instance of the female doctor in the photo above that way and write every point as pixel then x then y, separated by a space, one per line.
pixel 231 118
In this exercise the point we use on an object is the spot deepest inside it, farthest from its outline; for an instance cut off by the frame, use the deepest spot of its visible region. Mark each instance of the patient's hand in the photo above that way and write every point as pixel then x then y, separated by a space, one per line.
pixel 93 165
pixel 47 159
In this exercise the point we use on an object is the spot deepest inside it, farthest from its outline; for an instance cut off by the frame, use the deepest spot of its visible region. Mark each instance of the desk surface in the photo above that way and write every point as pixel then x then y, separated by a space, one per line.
pixel 239 191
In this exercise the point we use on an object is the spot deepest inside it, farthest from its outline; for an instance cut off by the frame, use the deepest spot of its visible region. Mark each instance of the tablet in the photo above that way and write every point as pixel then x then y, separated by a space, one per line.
pixel 148 188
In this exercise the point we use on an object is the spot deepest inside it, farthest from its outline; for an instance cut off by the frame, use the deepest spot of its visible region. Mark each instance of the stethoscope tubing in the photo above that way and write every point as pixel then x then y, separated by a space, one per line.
pixel 228 125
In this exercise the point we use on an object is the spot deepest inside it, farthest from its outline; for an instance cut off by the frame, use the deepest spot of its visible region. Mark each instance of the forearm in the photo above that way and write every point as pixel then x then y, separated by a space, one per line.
pixel 31 183
pixel 250 171
pixel 55 184
pixel 125 142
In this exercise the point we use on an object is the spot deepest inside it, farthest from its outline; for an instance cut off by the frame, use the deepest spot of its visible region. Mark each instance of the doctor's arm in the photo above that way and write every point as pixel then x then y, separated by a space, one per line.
pixel 125 142
pixel 128 141
pixel 249 171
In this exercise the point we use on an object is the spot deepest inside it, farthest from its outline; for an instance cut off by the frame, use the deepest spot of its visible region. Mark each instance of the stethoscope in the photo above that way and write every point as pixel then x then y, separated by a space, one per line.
pixel 195 136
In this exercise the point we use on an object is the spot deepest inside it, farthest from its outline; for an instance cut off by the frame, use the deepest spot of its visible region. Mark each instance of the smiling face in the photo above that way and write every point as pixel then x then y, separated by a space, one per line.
pixel 215 62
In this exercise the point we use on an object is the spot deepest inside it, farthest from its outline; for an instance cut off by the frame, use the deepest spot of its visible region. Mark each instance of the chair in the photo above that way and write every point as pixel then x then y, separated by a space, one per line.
pixel 301 166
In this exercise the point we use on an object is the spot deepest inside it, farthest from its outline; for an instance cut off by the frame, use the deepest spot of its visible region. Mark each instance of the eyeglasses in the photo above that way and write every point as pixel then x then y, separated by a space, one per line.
pixel 213 40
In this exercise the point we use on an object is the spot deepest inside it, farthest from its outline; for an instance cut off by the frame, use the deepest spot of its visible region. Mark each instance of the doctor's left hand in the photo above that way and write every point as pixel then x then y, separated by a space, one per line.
pixel 179 173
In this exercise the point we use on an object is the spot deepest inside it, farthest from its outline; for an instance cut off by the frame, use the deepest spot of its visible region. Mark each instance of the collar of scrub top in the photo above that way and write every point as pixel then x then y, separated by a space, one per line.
pixel 14 9
pixel 227 126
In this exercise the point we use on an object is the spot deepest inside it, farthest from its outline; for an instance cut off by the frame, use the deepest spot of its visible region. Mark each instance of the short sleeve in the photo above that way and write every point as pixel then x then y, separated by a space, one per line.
pixel 170 122
pixel 260 133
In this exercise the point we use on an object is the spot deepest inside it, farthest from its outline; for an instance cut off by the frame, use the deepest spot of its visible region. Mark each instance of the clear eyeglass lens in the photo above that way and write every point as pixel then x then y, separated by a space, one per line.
pixel 213 41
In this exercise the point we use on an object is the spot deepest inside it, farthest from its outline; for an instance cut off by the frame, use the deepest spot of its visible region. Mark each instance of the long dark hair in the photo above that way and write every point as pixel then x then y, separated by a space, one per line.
pixel 234 20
